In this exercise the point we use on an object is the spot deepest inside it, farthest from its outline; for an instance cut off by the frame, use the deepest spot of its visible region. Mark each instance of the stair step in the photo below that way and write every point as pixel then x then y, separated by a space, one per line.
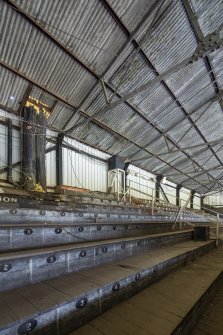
pixel 25 236
pixel 59 305
pixel 20 268
pixel 171 306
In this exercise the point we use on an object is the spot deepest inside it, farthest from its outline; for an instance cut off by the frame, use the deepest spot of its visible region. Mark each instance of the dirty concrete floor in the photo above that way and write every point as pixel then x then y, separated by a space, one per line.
pixel 160 308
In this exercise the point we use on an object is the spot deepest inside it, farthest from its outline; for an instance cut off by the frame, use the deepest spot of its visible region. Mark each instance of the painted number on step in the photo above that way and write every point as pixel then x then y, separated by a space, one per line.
pixel 27 327
pixel 137 276
pixel 5 267
pixel 81 303
pixel 116 287
pixel 58 230
pixel 82 253
pixel 51 259
pixel 28 231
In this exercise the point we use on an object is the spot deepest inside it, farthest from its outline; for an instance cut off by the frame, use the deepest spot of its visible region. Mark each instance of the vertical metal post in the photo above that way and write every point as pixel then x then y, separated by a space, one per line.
pixel 217 230
pixel 118 182
pixel 152 202
pixel 9 168
pixel 192 199
pixel 40 150
pixel 158 182
pixel 59 160
pixel 124 190
pixel 202 201
pixel 29 148
pixel 178 188
pixel 130 199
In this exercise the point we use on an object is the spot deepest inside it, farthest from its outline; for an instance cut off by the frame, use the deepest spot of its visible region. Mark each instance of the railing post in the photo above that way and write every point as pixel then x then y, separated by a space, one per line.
pixel 130 199
pixel 152 202
pixel 217 230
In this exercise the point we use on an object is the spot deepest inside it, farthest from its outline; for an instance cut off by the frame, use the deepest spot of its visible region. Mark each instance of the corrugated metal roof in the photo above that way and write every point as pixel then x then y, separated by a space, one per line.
pixel 171 41
pixel 209 14
pixel 98 43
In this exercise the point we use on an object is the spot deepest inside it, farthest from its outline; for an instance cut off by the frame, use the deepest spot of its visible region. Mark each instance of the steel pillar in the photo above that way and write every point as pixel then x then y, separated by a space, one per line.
pixel 192 199
pixel 40 150
pixel 9 159
pixel 158 184
pixel 178 188
pixel 59 157
pixel 28 148
pixel 202 201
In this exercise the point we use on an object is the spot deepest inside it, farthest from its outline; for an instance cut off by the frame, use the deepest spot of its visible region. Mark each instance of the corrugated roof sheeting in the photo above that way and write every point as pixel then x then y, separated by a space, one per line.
pixel 60 115
pixel 191 138
pixel 217 65
pixel 209 13
pixel 133 72
pixel 12 89
pixel 89 31
pixel 211 122
pixel 131 11
pixel 42 96
pixel 84 27
pixel 39 58
pixel 171 41
pixel 191 85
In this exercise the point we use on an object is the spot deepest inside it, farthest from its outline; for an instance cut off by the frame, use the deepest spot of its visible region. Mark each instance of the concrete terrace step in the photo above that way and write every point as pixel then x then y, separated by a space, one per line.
pixel 57 306
pixel 14 213
pixel 24 267
pixel 30 215
pixel 171 306
pixel 25 236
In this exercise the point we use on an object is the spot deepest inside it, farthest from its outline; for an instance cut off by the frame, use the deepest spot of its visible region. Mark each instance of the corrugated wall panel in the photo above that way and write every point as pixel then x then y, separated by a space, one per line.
pixel 214 199
pixel 84 172
pixel 141 181
pixel 51 168
pixel 184 194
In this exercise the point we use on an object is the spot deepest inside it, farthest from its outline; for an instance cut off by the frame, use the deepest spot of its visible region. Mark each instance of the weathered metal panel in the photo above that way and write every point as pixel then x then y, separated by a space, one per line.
pixel 84 27
pixel 141 181
pixel 209 14
pixel 84 172
pixel 51 168
pixel 172 40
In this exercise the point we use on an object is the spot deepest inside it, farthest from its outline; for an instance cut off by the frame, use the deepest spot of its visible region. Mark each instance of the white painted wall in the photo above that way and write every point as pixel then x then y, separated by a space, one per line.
pixel 141 181
pixel 215 199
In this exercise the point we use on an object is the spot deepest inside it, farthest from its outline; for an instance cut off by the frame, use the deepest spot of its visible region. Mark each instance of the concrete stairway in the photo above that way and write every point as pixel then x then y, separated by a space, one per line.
pixel 171 306
pixel 62 266
pixel 56 306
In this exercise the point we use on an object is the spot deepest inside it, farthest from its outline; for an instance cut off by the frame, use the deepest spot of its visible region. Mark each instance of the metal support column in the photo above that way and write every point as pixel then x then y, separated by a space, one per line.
pixel 126 175
pixel 192 199
pixel 158 182
pixel 40 150
pixel 9 162
pixel 202 201
pixel 178 188
pixel 28 148
pixel 59 157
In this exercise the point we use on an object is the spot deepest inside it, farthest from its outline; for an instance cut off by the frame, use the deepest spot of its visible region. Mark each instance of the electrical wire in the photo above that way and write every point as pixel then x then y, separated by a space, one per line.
pixel 44 23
